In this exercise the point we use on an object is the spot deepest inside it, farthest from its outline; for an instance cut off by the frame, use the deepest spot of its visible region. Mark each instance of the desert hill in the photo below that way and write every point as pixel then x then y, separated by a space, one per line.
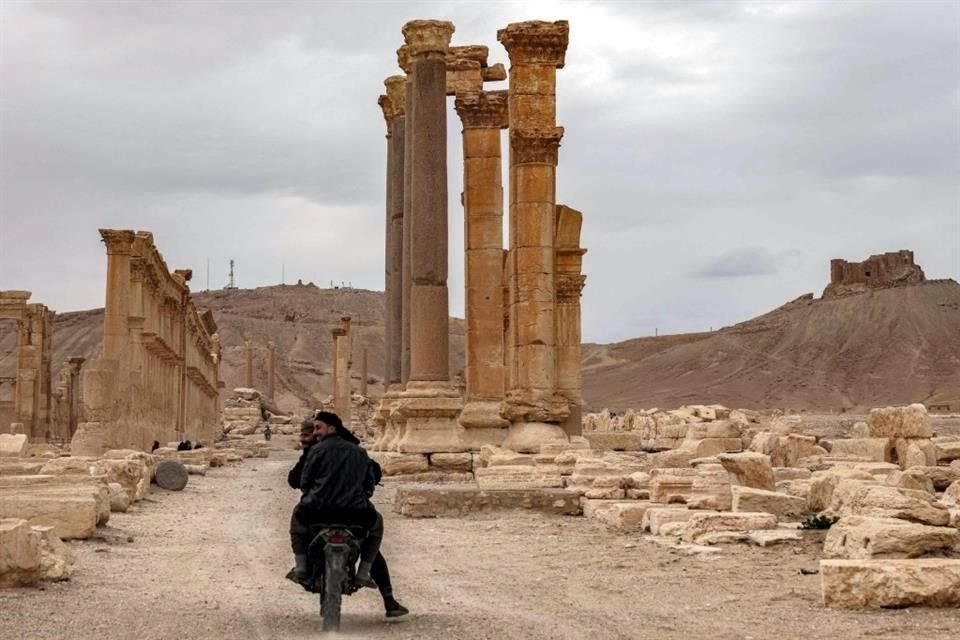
pixel 894 345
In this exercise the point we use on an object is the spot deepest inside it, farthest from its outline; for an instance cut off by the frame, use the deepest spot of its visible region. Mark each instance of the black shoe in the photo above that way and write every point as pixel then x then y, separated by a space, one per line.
pixel 394 609
pixel 297 578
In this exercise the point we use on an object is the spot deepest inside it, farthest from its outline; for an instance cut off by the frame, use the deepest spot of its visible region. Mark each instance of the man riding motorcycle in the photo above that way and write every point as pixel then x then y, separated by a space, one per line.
pixel 337 479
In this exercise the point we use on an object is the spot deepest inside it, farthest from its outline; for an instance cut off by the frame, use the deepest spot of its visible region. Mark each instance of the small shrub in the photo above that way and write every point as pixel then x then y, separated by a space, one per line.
pixel 818 521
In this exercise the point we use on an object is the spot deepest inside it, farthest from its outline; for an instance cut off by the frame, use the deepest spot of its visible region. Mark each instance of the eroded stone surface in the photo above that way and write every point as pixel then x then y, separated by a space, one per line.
pixel 862 537
pixel 421 501
pixel 857 584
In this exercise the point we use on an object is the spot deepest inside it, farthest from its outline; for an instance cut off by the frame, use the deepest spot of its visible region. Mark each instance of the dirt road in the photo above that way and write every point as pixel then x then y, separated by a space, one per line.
pixel 207 563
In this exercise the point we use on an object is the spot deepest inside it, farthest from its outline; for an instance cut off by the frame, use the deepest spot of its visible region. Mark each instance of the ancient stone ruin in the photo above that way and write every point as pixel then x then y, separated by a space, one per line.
pixel 158 375
pixel 523 300
pixel 876 272
pixel 31 409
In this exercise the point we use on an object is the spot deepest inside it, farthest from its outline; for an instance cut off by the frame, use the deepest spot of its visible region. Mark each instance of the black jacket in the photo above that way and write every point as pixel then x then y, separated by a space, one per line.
pixel 338 476
pixel 293 477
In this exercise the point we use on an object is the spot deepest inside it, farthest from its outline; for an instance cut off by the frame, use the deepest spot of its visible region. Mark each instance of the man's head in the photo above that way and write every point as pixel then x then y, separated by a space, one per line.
pixel 307 435
pixel 326 424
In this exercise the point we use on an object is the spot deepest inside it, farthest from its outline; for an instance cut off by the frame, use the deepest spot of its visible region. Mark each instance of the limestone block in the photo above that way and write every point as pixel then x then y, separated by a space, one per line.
pixel 705 522
pixel 13 445
pixel 951 496
pixel 879 470
pixel 915 452
pixel 709 447
pixel 890 583
pixel 605 493
pixel 711 489
pixel 18 467
pixel 171 475
pixel 791 473
pixel 671 485
pixel 91 439
pixel 785 425
pixel 617 515
pixel 71 516
pixel 128 473
pixel 879 449
pixel 655 518
pixel 425 501
pixel 716 429
pixel 196 457
pixel 458 462
pixel 906 480
pixel 860 430
pixel 435 476
pixel 784 506
pixel 638 480
pixel 899 422
pixel 674 459
pixel 68 465
pixel 852 497
pixel 30 554
pixel 798 446
pixel 518 476
pixel 940 477
pixel 119 498
pixel 196 469
pixel 796 488
pixel 771 537
pixel 770 444
pixel 860 537
pixel 615 440
pixel 823 484
pixel 752 469
pixel 947 451
pixel 394 463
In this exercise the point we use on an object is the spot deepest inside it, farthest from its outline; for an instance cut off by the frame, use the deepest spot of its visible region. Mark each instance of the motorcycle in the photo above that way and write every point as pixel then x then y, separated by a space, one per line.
pixel 332 568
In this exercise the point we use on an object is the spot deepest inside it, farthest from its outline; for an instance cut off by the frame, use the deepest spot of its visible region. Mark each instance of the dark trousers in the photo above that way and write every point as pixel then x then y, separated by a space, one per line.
pixel 301 536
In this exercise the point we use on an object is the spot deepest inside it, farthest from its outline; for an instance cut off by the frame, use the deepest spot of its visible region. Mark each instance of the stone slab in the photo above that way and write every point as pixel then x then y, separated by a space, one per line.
pixel 433 501
pixel 896 583
pixel 70 516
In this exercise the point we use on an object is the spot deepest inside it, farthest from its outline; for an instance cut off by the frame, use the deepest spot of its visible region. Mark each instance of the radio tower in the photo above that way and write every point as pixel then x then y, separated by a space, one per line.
pixel 231 285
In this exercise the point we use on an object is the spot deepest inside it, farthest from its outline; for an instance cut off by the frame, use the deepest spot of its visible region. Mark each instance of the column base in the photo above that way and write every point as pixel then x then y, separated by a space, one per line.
pixel 381 419
pixel 527 437
pixel 430 410
pixel 483 423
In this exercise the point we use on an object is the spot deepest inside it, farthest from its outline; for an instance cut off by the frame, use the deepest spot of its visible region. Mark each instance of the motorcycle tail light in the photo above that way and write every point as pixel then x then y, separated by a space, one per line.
pixel 337 537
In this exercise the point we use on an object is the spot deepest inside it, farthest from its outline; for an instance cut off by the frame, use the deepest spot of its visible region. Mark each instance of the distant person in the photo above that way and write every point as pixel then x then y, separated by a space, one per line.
pixel 267 434
pixel 156 445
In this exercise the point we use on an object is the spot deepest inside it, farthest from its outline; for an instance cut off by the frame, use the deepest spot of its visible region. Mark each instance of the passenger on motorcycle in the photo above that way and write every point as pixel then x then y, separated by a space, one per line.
pixel 337 479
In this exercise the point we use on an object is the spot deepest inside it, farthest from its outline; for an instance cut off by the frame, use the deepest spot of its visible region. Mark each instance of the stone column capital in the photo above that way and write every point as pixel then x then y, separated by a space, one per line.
pixel 424 37
pixel 404 59
pixel 396 94
pixel 569 287
pixel 483 109
pixel 339 331
pixel 463 76
pixel 536 42
pixel 536 145
pixel 387 108
pixel 118 241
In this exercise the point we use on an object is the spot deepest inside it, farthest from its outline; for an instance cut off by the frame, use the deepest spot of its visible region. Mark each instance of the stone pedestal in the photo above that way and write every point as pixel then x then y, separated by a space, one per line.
pixel 428 412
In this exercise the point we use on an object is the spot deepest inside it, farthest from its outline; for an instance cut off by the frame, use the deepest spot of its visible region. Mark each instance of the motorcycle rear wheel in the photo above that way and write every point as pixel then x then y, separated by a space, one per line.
pixel 330 602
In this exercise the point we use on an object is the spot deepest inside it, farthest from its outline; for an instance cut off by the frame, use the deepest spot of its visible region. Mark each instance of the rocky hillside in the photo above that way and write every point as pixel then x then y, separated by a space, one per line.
pixel 895 345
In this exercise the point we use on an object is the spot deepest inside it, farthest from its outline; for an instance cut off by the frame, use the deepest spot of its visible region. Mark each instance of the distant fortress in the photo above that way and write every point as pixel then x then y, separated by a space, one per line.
pixel 876 272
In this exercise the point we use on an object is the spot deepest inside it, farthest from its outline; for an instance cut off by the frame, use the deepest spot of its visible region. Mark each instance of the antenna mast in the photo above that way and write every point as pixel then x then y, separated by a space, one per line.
pixel 231 285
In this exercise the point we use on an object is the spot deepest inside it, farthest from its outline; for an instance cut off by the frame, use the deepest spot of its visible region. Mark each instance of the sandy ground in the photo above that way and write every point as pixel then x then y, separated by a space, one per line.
pixel 207 563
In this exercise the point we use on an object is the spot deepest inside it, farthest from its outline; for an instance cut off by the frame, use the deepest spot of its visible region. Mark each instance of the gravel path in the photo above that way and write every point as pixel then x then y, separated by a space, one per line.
pixel 207 563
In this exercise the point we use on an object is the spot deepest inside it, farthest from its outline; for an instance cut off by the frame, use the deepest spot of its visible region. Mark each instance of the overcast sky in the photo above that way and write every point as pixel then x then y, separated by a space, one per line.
pixel 721 152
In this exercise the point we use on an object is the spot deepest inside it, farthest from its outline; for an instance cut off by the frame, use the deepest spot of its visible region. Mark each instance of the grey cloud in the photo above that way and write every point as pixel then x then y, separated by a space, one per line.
pixel 749 261
pixel 693 129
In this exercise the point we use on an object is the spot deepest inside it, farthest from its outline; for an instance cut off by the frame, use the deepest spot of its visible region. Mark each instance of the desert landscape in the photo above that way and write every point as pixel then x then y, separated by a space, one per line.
pixel 165 457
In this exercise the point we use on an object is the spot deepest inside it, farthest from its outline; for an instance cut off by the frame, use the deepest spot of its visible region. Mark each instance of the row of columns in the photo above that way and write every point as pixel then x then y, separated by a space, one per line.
pixel 522 303
pixel 158 375
pixel 248 379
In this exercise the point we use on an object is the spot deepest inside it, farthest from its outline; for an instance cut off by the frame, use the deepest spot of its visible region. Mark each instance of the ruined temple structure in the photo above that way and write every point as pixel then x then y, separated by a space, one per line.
pixel 876 272
pixel 523 295
pixel 157 377
pixel 26 398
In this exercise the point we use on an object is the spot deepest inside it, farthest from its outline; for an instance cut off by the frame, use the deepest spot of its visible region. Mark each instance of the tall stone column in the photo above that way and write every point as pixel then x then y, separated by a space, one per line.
pixel 430 404
pixel 394 112
pixel 271 369
pixel 570 281
pixel 248 354
pixel 341 396
pixel 116 330
pixel 483 115
pixel 406 202
pixel 75 401
pixel 536 51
